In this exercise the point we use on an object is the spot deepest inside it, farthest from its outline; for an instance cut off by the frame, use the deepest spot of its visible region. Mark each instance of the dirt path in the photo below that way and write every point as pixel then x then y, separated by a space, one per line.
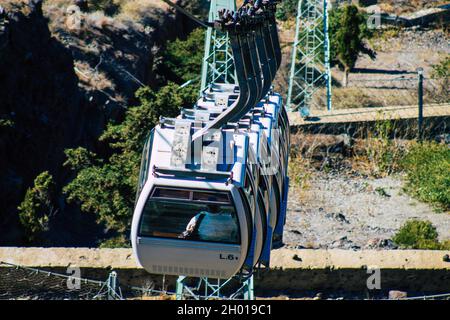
pixel 352 212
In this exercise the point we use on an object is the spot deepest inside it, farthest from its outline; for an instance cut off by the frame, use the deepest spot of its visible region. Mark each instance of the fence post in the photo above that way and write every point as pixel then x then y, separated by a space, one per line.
pixel 420 103
pixel 112 283
pixel 180 287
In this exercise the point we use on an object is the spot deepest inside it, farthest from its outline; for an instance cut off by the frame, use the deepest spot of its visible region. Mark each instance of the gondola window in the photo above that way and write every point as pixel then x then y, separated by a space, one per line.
pixel 190 215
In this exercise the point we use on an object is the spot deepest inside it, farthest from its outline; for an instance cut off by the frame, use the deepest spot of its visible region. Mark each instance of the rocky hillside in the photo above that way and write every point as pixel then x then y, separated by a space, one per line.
pixel 65 72
pixel 70 67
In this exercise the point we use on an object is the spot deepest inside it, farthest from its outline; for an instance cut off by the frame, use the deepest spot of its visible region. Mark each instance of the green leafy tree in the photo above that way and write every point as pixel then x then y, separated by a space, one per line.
pixel 286 10
pixel 106 187
pixel 37 206
pixel 184 58
pixel 348 30
pixel 79 158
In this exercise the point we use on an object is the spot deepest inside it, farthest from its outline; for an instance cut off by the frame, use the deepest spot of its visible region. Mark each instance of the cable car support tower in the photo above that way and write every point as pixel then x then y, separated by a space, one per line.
pixel 218 64
pixel 310 65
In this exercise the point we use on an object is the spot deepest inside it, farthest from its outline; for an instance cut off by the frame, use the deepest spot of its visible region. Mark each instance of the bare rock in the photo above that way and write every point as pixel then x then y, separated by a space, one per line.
pixel 378 243
pixel 443 138
pixel 344 243
pixel 397 295
pixel 297 258
pixel 338 216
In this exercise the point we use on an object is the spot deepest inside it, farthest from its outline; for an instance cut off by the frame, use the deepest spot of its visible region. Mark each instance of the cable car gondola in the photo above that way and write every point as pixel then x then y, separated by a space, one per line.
pixel 213 181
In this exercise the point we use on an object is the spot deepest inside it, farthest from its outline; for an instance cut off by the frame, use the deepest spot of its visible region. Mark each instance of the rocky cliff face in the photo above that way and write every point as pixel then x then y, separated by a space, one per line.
pixel 41 104
pixel 62 78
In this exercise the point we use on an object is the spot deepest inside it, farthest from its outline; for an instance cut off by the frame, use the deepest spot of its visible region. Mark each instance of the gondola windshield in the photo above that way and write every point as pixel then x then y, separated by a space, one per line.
pixel 190 215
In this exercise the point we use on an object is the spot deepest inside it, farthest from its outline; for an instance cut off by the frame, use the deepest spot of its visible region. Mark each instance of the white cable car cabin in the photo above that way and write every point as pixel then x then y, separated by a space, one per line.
pixel 210 207
pixel 160 251
pixel 271 116
pixel 180 191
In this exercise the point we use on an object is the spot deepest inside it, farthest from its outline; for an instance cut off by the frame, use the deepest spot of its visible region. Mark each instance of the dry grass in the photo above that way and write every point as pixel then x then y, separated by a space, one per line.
pixel 383 93
pixel 128 10
pixel 99 20
pixel 400 7
pixel 300 173
pixel 91 77
pixel 355 97
pixel 378 157
pixel 60 20
pixel 21 5
pixel 57 3
pixel 136 10
pixel 374 156
pixel 377 154
pixel 300 165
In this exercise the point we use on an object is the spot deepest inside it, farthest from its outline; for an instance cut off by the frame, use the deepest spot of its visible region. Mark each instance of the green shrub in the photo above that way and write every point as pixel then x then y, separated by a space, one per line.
pixel 427 167
pixel 438 91
pixel 6 123
pixel 37 206
pixel 416 234
pixel 442 69
pixel 116 242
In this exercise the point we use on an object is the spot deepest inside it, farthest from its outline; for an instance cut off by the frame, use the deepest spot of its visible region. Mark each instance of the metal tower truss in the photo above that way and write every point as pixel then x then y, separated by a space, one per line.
pixel 218 64
pixel 207 289
pixel 310 66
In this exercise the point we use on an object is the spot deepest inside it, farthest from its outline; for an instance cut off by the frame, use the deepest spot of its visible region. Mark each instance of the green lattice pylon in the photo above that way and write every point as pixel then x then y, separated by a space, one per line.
pixel 310 65
pixel 218 64
pixel 212 289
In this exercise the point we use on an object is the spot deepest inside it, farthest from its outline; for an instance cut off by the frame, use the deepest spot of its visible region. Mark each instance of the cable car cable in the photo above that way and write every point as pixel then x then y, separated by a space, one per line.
pixel 188 14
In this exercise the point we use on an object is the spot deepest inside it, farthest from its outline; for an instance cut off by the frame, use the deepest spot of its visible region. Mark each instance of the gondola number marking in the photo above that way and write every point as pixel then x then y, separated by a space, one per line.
pixel 228 257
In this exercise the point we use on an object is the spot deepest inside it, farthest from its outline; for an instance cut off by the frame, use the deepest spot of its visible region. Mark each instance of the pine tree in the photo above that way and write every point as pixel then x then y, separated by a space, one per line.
pixel 348 32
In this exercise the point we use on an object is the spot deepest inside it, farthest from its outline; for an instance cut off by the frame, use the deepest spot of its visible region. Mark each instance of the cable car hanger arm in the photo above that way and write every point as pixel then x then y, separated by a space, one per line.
pixel 189 15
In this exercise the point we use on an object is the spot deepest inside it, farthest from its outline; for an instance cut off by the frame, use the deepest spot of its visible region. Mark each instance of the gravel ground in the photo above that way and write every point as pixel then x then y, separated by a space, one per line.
pixel 353 212
pixel 408 51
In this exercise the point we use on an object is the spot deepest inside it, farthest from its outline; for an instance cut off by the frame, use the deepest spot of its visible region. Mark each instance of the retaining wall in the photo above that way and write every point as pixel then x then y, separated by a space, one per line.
pixel 291 270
